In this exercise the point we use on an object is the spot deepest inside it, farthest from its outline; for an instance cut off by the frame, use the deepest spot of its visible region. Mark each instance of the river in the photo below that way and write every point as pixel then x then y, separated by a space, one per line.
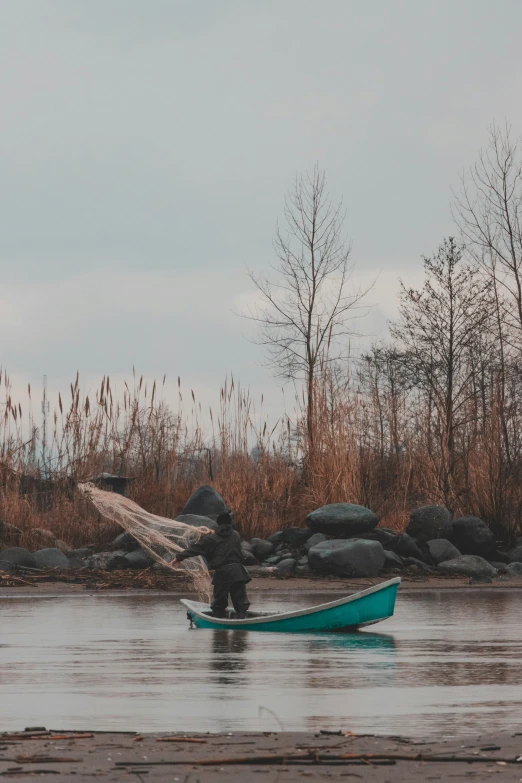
pixel 448 663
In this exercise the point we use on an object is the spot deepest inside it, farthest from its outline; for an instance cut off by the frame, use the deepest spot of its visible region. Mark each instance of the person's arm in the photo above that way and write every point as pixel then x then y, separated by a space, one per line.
pixel 199 549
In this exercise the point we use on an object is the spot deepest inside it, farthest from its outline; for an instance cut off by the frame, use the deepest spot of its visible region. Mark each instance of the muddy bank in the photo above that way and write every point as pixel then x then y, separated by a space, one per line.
pixel 110 583
pixel 204 758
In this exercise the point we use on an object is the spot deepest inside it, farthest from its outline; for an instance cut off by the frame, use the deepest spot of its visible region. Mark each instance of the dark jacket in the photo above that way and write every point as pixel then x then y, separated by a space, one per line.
pixel 222 551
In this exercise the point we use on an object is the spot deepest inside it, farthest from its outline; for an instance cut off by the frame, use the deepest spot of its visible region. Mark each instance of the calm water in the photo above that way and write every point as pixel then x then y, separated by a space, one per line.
pixel 446 663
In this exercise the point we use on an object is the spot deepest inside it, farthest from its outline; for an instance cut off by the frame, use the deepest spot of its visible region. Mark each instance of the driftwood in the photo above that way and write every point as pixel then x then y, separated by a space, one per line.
pixel 318 758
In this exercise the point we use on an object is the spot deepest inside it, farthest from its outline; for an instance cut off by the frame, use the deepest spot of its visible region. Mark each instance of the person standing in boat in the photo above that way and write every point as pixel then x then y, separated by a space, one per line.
pixel 222 551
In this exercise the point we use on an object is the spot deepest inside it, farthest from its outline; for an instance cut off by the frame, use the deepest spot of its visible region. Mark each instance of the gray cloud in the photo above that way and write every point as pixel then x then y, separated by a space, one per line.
pixel 146 147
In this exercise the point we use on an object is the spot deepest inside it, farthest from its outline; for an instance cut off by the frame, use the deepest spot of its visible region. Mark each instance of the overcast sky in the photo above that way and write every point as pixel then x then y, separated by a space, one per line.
pixel 146 145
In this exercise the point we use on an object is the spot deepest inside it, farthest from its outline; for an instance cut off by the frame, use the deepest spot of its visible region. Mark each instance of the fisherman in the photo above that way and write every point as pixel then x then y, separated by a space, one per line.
pixel 222 551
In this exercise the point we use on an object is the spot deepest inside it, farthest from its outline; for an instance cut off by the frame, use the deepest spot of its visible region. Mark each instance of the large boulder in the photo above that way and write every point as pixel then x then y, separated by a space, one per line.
pixel 296 537
pixel 248 556
pixel 276 538
pixel 9 535
pixel 441 550
pixel 515 555
pixel 468 565
pixel 261 548
pixel 125 542
pixel 138 560
pixel 473 537
pixel 108 561
pixel 17 556
pixel 196 520
pixel 317 538
pixel 514 569
pixel 429 522
pixel 404 546
pixel 352 557
pixel 344 520
pixel 391 560
pixel 205 502
pixel 51 557
pixel 287 567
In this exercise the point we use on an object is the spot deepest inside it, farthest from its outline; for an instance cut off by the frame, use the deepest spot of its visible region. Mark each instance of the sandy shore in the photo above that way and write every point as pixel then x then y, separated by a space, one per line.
pixel 273 758
pixel 314 584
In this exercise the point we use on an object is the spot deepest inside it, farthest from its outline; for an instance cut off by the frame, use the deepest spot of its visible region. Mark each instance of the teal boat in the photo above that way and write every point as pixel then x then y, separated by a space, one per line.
pixel 346 614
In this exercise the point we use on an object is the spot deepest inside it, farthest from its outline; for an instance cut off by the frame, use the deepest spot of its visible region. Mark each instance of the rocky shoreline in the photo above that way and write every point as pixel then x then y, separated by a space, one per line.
pixel 340 540
pixel 291 756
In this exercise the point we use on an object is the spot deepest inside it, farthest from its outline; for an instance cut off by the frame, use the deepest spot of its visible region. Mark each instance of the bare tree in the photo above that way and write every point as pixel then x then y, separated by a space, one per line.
pixel 488 211
pixel 304 311
pixel 440 329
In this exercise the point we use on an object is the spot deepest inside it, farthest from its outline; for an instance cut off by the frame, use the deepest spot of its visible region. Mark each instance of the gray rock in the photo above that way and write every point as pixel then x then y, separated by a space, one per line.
pixel 247 546
pixel 429 522
pixel 404 546
pixel 352 557
pixel 83 553
pixel 138 560
pixel 472 536
pixel 302 571
pixel 125 542
pixel 196 520
pixel 248 557
pixel 382 536
pixel 76 563
pixel 500 567
pixel 391 560
pixel 468 565
pixel 205 501
pixel 278 556
pixel 261 548
pixel 286 567
pixel 9 535
pixel 343 520
pixel 51 557
pixel 276 538
pixel 18 556
pixel 441 549
pixel 296 537
pixel 303 561
pixel 317 538
pixel 515 556
pixel 413 562
pixel 514 569
pixel 108 561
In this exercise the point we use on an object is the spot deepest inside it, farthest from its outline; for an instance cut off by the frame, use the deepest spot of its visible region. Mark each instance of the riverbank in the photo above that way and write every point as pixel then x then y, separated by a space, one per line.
pixel 289 756
pixel 298 584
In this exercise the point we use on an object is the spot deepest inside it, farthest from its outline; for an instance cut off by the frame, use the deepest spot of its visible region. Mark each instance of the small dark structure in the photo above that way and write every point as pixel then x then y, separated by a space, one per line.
pixel 111 483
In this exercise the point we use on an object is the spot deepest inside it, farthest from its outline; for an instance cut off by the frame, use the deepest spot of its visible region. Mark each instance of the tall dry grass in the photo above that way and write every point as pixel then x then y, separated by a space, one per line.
pixel 372 445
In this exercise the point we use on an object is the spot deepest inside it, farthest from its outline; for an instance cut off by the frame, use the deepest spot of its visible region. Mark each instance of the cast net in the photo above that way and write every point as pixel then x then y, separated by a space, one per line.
pixel 162 538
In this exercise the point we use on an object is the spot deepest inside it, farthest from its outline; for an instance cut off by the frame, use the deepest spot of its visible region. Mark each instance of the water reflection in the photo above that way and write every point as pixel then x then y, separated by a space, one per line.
pixel 446 662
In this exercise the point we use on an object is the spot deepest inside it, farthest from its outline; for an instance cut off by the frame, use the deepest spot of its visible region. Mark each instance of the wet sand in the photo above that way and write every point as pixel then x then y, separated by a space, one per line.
pixel 316 584
pixel 273 758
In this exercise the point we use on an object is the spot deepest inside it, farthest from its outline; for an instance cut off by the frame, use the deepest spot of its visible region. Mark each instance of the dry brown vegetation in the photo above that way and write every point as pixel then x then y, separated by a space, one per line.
pixel 373 445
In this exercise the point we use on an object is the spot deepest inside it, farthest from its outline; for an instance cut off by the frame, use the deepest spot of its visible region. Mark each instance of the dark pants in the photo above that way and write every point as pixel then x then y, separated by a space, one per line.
pixel 238 594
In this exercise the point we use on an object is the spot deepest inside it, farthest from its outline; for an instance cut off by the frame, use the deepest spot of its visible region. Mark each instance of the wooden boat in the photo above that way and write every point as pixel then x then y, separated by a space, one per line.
pixel 346 614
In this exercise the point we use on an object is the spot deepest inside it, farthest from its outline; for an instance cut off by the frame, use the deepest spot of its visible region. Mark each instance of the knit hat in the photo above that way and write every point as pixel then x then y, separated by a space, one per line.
pixel 225 518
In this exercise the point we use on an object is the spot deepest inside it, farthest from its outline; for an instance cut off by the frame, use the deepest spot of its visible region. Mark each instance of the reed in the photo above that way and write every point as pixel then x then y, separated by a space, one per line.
pixel 371 446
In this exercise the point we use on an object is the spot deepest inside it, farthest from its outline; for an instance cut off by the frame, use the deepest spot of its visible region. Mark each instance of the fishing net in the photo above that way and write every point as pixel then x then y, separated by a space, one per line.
pixel 162 538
